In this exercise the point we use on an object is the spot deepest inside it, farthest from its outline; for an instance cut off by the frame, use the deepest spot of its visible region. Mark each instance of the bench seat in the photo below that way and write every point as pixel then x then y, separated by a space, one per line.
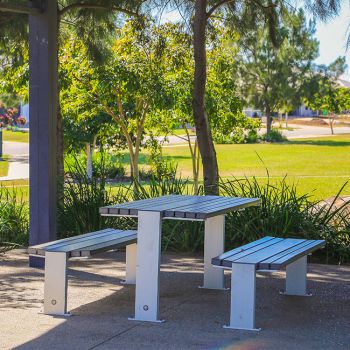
pixel 268 253
pixel 58 252
pixel 87 244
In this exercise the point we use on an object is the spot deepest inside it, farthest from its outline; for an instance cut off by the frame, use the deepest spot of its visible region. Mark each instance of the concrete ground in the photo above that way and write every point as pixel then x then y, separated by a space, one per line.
pixel 194 317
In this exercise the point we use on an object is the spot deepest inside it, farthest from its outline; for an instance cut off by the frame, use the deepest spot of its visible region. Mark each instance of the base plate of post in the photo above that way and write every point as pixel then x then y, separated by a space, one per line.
pixel 127 283
pixel 242 329
pixel 135 319
pixel 68 314
pixel 210 288
pixel 282 292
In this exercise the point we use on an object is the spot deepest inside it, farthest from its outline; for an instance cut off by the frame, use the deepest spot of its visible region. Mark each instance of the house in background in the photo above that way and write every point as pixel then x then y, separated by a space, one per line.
pixel 302 111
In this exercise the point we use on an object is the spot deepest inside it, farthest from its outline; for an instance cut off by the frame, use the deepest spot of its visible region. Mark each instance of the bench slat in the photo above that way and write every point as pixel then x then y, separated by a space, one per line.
pixel 40 247
pixel 90 242
pixel 77 239
pixel 218 260
pixel 102 247
pixel 267 252
pixel 265 264
pixel 254 250
pixel 287 259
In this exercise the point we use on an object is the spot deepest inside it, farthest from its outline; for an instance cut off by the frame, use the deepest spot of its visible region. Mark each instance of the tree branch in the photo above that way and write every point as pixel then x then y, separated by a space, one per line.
pixel 217 5
pixel 97 7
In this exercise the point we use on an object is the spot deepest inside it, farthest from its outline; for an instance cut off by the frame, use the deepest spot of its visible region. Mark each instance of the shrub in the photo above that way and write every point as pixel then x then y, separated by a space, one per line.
pixel 14 219
pixel 274 135
pixel 78 211
pixel 284 213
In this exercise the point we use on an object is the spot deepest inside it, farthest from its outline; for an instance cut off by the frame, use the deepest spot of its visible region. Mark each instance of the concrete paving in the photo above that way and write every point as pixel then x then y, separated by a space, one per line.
pixel 100 305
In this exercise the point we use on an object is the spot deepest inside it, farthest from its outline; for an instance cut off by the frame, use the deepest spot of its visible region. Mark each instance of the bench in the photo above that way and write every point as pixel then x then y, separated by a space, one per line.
pixel 58 252
pixel 268 253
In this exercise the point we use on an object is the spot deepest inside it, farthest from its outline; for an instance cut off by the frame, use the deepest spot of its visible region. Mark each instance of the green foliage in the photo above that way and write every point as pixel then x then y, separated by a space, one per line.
pixel 276 79
pixel 14 219
pixel 274 135
pixel 78 212
pixel 284 213
pixel 326 95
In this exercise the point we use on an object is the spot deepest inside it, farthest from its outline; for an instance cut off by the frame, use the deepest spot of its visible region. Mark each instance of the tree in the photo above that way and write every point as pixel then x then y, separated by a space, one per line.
pixel 134 87
pixel 326 94
pixel 275 79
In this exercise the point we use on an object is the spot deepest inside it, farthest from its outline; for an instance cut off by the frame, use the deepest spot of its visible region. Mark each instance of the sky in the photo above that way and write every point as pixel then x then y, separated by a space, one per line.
pixel 332 36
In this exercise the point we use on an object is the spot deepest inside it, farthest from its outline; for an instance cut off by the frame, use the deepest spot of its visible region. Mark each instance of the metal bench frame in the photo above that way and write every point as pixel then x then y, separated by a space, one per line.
pixel 271 254
pixel 58 252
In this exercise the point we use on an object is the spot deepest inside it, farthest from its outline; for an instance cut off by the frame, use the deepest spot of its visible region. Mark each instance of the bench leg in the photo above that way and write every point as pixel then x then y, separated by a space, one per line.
pixel 55 289
pixel 130 273
pixel 296 277
pixel 148 266
pixel 214 241
pixel 242 297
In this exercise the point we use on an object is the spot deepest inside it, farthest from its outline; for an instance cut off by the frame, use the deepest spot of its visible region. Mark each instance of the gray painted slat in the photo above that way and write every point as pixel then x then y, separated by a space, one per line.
pixel 144 203
pixel 287 259
pixel 264 253
pixel 135 206
pixel 33 249
pixel 233 204
pixel 228 210
pixel 228 261
pixel 178 203
pixel 211 203
pixel 212 208
pixel 200 201
pixel 93 241
pixel 265 264
pixel 82 238
pixel 218 260
pixel 224 208
pixel 103 247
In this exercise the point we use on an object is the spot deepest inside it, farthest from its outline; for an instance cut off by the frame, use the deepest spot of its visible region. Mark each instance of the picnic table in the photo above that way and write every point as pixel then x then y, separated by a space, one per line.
pixel 150 213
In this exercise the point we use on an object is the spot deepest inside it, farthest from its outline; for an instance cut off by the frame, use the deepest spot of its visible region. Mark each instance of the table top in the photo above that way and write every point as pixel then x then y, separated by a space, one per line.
pixel 182 207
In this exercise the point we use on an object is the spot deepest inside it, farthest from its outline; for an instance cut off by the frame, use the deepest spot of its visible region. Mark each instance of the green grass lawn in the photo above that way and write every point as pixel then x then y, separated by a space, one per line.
pixel 4 166
pixel 15 136
pixel 320 165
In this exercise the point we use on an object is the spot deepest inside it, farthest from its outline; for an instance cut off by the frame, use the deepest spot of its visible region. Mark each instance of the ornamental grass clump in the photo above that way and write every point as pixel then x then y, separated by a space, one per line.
pixel 14 219
pixel 285 213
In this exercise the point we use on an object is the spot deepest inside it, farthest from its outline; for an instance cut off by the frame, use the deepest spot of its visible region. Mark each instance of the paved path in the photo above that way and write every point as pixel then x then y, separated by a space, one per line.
pixel 19 160
pixel 101 305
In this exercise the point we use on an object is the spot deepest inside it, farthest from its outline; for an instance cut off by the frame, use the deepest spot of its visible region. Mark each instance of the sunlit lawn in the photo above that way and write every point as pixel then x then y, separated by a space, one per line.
pixel 15 136
pixel 321 165
pixel 4 166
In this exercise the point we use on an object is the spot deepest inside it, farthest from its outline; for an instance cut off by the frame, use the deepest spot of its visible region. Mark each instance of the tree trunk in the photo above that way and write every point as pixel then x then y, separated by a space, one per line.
pixel 205 140
pixel 268 121
pixel 88 151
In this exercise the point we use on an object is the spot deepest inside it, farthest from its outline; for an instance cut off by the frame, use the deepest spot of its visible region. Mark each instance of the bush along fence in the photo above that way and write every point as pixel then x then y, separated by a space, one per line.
pixel 283 213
